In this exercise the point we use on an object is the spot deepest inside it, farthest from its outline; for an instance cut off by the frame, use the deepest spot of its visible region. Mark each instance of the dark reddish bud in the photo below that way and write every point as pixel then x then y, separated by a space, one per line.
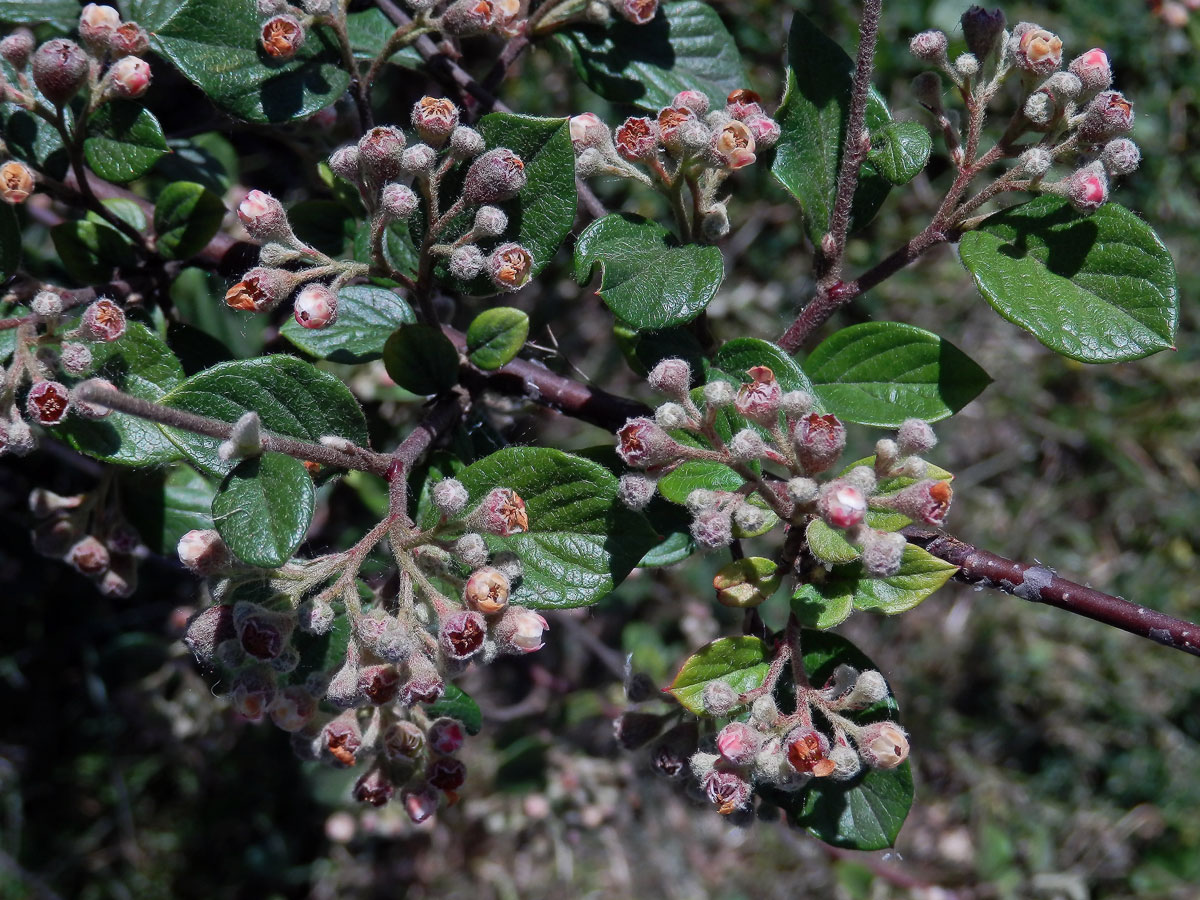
pixel 292 708
pixel 420 804
pixel 381 153
pixel 496 175
pixel 89 556
pixel 129 39
pixel 16 47
pixel 819 441
pixel 643 444
pixel 16 182
pixel 262 635
pixel 461 635
pixel 379 684
pixel 509 266
pixel 282 37
pixel 374 788
pixel 637 138
pixel 764 130
pixel 103 321
pixel 639 12
pixel 60 68
pixel 403 741
pixel 926 501
pixel 808 752
pixel 316 306
pixel 634 730
pixel 424 684
pixel 487 591
pixel 120 580
pixel 696 101
pixel 502 512
pixel 341 738
pixel 982 30
pixel 669 120
pixel 467 17
pixel 435 119
pixel 842 505
pixel 48 402
pixel 446 736
pixel 253 692
pixel 207 630
pixel 1108 115
pixel 727 790
pixel 260 289
pixel 446 773
pixel 758 399
pixel 670 755
pixel 55 537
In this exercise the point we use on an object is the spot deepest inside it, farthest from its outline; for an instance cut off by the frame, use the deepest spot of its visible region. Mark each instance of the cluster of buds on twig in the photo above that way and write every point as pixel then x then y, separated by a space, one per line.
pixel 51 357
pixel 107 61
pixel 685 143
pixel 1072 115
pixel 87 532
pixel 783 430
pixel 451 608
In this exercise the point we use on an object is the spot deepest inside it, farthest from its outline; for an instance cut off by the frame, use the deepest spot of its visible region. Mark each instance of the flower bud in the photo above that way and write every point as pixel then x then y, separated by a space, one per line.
pixel 397 201
pixel 1063 87
pixel 466 143
pixel 373 787
pixel 635 491
pixel 1035 161
pixel 496 175
pixel 245 439
pixel 16 47
pixel 466 17
pixel 719 393
pixel 929 46
pixel 419 159
pixel 282 37
pixel 446 774
pixel 728 790
pixel 733 146
pixel 671 415
pixel 461 635
pixel 714 222
pixel 129 39
pixel 1108 115
pixel 93 409
pixel 808 752
pixel 75 359
pixel 1086 188
pixel 48 402
pixel 719 699
pixel 846 763
pixel 487 591
pixel 316 306
pixel 449 496
pixel 446 736
pixel 207 630
pixel 1093 70
pixel 639 12
pixel 16 182
pixel 423 803
pixel 96 25
pixel 424 684
pixel 738 743
pixel 435 119
pixel 292 708
pixel 758 399
pixel 966 65
pixel 713 528
pixel 509 265
pixel 883 553
pixel 343 162
pixel 379 684
pixel 869 688
pixel 263 634
pixel 502 512
pixel 701 499
pixel 696 101
pixel 745 583
pixel 882 745
pixel 490 221
pixel 264 217
pixel 747 445
pixel 982 30
pixel 741 104
pixel 634 730
pixel 636 139
pixel 381 153
pixel 926 501
pixel 915 436
pixel 588 131
pixel 260 289
pixel 643 444
pixel 1039 109
pixel 672 377
pixel 819 441
pixel 253 692
pixel 764 130
pixel 60 68
pixel 1121 156
pixel 520 630
pixel 341 739
pixel 1035 49
pixel 203 552
pixel 88 557
pixel 841 505
pixel 403 741
pixel 670 120
pixel 802 491
pixel 103 321
pixel 47 305
pixel 128 77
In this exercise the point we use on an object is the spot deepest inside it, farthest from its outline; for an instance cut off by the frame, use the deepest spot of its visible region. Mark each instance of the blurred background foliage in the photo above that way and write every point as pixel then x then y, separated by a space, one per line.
pixel 1054 758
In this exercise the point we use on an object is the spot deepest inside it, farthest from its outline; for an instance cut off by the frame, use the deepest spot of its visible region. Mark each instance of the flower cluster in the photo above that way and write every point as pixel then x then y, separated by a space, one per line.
pixel 684 143
pixel 363 705
pixel 88 533
pixel 1067 108
pixel 781 429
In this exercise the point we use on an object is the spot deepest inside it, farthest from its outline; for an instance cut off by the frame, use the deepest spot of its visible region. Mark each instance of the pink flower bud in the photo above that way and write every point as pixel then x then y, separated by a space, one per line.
pixel 96 25
pixel 672 377
pixel 16 182
pixel 982 30
pixel 420 804
pixel 758 399
pixel 496 175
pixel 639 12
pixel 926 501
pixel 929 46
pixel 764 130
pixel 203 552
pixel 207 630
pixel 282 37
pixel 424 684
pixel 637 139
pixel 915 436
pixel 1036 50
pixel 435 118
pixel 260 289
pixel 418 159
pixel 467 17
pixel 1092 69
pixel 466 262
pixel 263 217
pixel 635 491
pixel 374 787
pixel 446 736
pixel 129 77
pixel 129 39
pixel 738 743
pixel 1120 157
pixel 253 692
pixel 89 557
pixel 587 130
pixel 643 444
pixel 75 359
pixel 343 162
pixel 819 441
pixel 841 505
pixel 403 741
pixel 1108 115
pixel 712 528
pixel 733 145
pixel 16 47
pixel 60 68
pixel 696 101
pixel 502 512
pixel 509 266
pixel 808 752
pixel 461 635
pixel 882 745
pixel 449 496
pixel 341 739
pixel 292 708
pixel 103 321
pixel 487 591
pixel 48 402
pixel 316 306
pixel 727 790
pixel 397 201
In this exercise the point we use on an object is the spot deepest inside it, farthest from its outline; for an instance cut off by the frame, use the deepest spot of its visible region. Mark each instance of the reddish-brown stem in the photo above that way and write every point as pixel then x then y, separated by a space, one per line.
pixel 1038 584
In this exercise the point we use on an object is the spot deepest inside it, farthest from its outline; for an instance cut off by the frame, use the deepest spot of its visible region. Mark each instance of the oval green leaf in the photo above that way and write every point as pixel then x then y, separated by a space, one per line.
pixel 738 356
pixel 900 150
pixel 123 141
pixel 367 317
pixel 740 662
pixel 421 359
pixel 186 217
pixel 263 507
pixel 496 336
pixel 920 575
pixel 1098 288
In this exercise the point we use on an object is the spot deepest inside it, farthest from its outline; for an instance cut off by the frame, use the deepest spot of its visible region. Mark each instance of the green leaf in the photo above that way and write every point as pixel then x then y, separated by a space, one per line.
pixel 186 217
pixel 421 359
pixel 1098 288
pixel 206 158
pixel 123 142
pixel 496 336
pixel 89 251
pixel 215 45
pixel 685 47
pixel 398 250
pixel 141 364
pixel 693 475
pixel 328 225
pixel 900 150
pixel 866 812
pixel 828 544
pixel 647 278
pixel 366 318
pixel 920 575
pixel 321 652
pixel 10 243
pixel 816 609
pixel 881 373
pixel 63 13
pixel 738 356
pixel 812 121
pixel 457 704
pixel 369 31
pixel 198 296
pixel 165 505
pixel 263 507
pixel 126 209
pixel 581 542
pixel 292 398
pixel 740 662
pixel 32 139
